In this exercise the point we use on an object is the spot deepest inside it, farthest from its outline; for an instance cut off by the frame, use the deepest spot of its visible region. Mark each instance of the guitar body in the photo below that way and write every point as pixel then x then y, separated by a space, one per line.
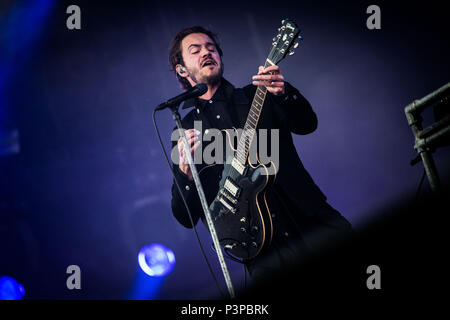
pixel 240 211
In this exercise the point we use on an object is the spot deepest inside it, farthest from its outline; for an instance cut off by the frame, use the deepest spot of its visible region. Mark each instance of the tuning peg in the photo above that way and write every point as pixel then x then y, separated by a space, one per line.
pixel 274 39
pixel 300 37
pixel 295 45
pixel 283 21
pixel 291 53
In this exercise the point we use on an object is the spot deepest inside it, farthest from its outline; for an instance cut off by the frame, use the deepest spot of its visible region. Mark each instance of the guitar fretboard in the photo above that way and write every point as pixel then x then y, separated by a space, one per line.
pixel 249 130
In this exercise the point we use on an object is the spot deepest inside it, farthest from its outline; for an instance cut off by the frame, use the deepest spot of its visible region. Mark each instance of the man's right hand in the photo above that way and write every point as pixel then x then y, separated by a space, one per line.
pixel 193 142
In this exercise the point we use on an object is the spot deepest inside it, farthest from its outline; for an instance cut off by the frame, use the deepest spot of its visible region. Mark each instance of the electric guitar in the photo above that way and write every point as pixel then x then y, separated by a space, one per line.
pixel 240 211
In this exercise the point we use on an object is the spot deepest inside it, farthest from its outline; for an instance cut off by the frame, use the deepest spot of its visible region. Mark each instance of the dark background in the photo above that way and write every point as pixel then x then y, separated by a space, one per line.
pixel 90 186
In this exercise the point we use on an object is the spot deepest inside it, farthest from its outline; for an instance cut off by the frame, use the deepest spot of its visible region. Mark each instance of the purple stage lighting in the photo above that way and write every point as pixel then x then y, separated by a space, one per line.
pixel 10 289
pixel 156 260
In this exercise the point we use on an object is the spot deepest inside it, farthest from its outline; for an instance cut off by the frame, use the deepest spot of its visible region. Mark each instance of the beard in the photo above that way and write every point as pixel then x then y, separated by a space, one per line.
pixel 210 79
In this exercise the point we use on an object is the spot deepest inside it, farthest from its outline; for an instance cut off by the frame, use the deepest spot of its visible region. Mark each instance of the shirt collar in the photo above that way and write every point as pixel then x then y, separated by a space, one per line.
pixel 223 93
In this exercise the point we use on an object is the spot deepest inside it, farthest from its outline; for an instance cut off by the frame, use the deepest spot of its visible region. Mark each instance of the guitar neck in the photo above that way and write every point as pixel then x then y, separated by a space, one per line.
pixel 245 141
pixel 282 45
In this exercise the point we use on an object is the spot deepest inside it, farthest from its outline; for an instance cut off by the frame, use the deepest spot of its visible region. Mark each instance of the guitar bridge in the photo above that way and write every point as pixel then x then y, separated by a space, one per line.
pixel 226 204
pixel 228 196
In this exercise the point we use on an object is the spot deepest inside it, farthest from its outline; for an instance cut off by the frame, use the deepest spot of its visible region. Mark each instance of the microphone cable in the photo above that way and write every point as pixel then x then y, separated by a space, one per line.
pixel 185 204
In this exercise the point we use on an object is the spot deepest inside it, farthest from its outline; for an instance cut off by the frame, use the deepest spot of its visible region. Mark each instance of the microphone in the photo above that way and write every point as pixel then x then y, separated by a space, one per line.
pixel 193 92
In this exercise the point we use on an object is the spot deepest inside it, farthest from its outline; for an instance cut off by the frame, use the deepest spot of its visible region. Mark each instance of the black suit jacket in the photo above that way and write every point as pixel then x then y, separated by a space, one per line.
pixel 290 113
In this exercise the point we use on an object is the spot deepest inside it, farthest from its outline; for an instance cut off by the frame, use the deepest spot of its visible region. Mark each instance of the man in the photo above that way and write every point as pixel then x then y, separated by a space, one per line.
pixel 302 219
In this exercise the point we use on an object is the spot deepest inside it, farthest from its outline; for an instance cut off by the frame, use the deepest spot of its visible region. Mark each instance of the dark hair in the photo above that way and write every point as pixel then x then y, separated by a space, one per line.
pixel 175 56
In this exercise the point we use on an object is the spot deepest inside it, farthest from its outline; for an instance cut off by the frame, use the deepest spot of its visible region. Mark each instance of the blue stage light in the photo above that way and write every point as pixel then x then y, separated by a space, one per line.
pixel 156 260
pixel 10 289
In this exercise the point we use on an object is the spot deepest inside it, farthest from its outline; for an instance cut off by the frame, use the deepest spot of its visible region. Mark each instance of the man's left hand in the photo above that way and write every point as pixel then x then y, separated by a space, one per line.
pixel 271 78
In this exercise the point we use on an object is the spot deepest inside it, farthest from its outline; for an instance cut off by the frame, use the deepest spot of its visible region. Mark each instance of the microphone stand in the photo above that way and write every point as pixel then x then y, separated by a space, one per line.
pixel 198 185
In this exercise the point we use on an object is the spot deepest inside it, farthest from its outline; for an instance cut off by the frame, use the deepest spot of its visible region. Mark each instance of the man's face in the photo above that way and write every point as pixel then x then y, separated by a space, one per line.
pixel 201 59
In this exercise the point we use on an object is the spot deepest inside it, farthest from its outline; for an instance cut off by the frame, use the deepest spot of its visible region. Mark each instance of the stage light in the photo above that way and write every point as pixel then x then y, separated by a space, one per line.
pixel 156 260
pixel 10 289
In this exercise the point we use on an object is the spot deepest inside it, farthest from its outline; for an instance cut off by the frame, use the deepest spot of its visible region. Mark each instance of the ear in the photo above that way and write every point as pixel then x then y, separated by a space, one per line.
pixel 181 71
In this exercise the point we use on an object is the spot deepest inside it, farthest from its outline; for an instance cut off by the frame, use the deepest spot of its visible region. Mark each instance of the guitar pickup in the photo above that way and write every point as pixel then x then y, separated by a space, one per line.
pixel 231 187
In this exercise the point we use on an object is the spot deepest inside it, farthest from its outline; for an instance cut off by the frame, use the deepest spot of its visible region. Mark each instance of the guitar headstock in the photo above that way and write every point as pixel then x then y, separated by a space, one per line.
pixel 284 42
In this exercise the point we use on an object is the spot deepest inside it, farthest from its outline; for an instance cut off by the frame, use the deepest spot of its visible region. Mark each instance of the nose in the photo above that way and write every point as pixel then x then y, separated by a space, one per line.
pixel 205 52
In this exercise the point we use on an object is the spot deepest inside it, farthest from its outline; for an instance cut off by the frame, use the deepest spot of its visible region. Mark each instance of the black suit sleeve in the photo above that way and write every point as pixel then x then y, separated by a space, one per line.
pixel 190 194
pixel 295 111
